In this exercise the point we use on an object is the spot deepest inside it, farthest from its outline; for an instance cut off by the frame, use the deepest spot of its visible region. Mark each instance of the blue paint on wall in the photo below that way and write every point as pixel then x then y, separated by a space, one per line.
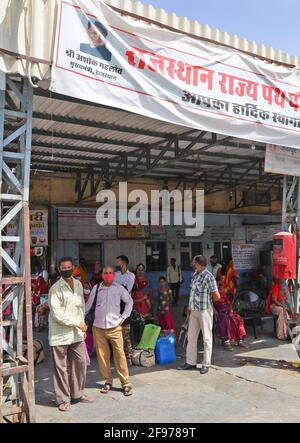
pixel 245 277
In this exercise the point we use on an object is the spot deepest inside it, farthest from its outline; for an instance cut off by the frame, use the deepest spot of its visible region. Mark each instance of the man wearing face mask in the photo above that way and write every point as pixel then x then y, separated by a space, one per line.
pixel 66 337
pixel 107 328
pixel 127 279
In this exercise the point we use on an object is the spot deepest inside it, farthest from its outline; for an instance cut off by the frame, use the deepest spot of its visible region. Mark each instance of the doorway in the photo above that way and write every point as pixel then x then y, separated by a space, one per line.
pixel 222 250
pixel 91 252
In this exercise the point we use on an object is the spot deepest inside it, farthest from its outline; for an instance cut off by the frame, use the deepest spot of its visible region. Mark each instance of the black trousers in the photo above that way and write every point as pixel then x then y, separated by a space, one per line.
pixel 175 288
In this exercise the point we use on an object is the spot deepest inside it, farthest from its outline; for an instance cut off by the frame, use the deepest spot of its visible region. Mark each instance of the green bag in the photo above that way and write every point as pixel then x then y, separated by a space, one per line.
pixel 149 337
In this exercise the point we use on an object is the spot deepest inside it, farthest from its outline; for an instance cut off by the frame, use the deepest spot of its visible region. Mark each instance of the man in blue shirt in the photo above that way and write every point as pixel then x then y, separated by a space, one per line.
pixel 97 33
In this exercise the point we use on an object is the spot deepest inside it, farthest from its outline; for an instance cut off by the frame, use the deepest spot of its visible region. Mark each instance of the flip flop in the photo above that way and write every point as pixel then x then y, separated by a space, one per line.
pixel 64 407
pixel 127 391
pixel 106 388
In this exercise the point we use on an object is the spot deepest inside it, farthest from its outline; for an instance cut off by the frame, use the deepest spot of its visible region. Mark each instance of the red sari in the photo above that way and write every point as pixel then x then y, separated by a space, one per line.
pixel 274 294
pixel 229 282
pixel 164 311
pixel 142 290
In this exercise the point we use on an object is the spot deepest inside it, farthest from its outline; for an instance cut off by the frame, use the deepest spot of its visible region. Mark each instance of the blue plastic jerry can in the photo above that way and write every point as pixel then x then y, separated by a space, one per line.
pixel 165 350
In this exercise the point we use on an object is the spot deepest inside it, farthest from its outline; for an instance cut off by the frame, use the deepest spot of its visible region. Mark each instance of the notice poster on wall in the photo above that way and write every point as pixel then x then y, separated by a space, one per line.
pixel 262 234
pixel 245 256
pixel 81 224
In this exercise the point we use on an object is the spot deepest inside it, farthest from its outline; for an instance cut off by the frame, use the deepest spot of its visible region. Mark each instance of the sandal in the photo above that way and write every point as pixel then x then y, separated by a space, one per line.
pixel 127 391
pixel 228 347
pixel 64 407
pixel 106 388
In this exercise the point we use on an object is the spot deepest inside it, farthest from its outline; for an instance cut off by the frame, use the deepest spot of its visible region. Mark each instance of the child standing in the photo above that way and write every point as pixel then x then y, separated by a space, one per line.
pixel 164 306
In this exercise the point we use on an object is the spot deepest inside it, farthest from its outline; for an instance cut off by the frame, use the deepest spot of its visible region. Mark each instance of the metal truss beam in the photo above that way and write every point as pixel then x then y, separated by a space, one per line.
pixel 16 373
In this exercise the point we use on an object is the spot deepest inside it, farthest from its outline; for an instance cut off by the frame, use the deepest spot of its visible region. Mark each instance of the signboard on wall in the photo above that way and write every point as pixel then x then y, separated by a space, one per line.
pixel 177 233
pixel 245 256
pixel 221 233
pixel 158 232
pixel 282 160
pixel 262 234
pixel 38 228
pixel 81 224
pixel 133 232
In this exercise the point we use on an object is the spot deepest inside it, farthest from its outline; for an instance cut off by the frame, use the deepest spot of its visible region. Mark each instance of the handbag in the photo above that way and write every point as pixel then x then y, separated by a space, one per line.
pixel 149 337
pixel 183 336
pixel 143 358
pixel 90 316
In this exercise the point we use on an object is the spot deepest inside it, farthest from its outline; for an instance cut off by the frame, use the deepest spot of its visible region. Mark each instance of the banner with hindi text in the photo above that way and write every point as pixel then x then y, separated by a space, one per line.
pixel 105 58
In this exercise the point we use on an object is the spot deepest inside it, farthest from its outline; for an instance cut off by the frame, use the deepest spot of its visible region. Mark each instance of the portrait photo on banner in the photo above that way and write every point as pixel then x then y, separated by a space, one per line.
pixel 97 35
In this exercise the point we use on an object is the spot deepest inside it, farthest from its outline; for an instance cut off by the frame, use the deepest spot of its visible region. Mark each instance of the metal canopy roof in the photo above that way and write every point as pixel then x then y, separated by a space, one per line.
pixel 69 135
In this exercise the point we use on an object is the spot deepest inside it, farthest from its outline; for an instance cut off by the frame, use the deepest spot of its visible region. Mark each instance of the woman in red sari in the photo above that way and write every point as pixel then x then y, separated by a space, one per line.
pixel 230 278
pixel 142 296
pixel 164 306
pixel 274 306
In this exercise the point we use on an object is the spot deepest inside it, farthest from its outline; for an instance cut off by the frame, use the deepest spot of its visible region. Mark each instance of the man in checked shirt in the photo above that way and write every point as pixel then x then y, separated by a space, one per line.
pixel 204 292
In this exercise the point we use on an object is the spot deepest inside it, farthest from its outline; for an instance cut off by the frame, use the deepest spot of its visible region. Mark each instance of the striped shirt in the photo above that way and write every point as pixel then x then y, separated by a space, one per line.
pixel 202 285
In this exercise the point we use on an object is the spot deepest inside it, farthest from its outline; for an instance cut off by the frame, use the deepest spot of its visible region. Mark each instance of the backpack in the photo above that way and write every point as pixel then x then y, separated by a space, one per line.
pixel 142 358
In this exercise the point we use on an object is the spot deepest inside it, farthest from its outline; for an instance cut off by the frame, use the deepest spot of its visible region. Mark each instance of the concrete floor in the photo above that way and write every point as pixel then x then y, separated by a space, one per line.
pixel 255 385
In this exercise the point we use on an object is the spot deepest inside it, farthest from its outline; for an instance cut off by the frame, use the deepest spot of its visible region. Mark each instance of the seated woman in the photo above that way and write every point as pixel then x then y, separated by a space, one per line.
pixel 230 326
pixel 274 306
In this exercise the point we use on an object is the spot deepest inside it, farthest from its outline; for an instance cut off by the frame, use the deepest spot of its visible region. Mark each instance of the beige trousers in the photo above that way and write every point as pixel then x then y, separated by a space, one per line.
pixel 102 337
pixel 200 321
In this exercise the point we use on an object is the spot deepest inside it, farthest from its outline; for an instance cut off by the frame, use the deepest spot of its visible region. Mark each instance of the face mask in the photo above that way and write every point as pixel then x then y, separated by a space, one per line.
pixel 108 278
pixel 118 268
pixel 66 274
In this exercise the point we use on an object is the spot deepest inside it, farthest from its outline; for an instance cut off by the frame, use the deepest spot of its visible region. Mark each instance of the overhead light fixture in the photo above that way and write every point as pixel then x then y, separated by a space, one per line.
pixel 253 147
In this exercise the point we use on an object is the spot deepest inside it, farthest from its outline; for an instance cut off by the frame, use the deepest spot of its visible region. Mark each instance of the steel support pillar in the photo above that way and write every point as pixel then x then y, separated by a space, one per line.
pixel 17 402
pixel 291 223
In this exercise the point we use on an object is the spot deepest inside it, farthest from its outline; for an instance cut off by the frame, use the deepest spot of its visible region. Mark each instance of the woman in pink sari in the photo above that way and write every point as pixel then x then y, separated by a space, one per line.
pixel 230 325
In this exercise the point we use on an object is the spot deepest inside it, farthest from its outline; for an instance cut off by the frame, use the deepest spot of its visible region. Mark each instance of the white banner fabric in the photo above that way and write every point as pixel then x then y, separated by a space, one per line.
pixel 105 58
